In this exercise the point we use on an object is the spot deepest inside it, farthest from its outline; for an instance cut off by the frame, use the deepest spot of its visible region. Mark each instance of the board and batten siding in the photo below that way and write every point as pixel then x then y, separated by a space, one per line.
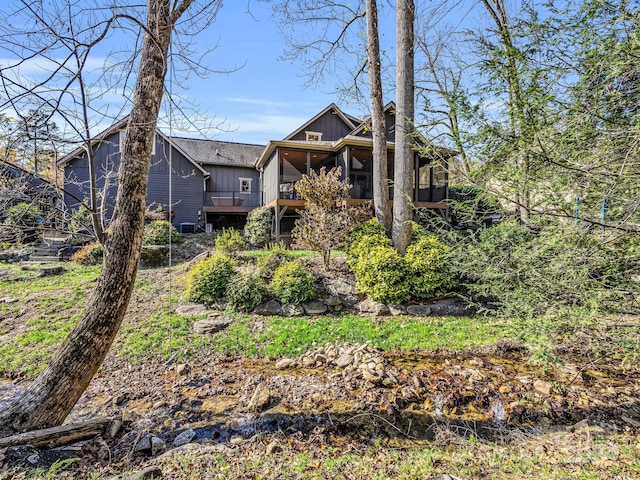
pixel 187 181
pixel 271 178
pixel 77 180
pixel 187 184
pixel 224 181
pixel 330 125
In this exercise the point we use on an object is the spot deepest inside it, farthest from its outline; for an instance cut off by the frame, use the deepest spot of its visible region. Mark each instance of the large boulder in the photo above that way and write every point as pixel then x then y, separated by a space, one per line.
pixel 371 307
pixel 451 307
pixel 211 324
pixel 344 289
pixel 269 308
pixel 419 310
pixel 314 307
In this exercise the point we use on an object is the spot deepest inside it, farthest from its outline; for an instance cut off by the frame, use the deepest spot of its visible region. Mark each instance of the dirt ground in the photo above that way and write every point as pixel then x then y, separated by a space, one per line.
pixel 339 395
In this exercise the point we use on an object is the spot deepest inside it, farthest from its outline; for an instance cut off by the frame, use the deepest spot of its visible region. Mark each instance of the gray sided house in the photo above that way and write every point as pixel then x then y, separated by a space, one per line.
pixel 232 185
pixel 198 180
pixel 211 184
pixel 335 139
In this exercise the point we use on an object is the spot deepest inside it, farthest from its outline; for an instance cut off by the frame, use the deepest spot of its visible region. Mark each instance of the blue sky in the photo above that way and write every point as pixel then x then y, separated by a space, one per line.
pixel 266 98
pixel 260 99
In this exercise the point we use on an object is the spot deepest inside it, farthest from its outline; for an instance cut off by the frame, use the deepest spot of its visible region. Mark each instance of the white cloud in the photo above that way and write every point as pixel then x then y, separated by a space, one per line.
pixel 260 128
pixel 41 66
pixel 259 101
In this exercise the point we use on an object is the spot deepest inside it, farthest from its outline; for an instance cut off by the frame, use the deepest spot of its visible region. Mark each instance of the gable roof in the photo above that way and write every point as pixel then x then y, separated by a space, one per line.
pixel 197 152
pixel 213 152
pixel 79 151
pixel 34 182
pixel 349 120
pixel 366 123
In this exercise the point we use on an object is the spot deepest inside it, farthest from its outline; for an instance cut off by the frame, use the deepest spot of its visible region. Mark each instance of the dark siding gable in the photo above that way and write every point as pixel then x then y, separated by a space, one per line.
pixel 330 124
pixel 390 124
pixel 187 181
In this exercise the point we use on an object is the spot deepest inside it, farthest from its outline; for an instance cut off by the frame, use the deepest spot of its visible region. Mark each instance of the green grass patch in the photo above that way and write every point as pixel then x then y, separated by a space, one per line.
pixel 157 337
pixel 29 352
pixel 276 337
pixel 46 310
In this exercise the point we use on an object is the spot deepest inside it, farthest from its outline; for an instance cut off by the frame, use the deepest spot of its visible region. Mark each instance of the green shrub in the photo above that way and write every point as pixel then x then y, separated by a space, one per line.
pixel 23 220
pixel 207 280
pixel 370 228
pixel 429 271
pixel 276 255
pixel 81 223
pixel 246 291
pixel 293 283
pixel 417 232
pixel 90 254
pixel 527 274
pixel 257 230
pixel 24 215
pixel 160 232
pixel 382 274
pixel 230 241
pixel 363 238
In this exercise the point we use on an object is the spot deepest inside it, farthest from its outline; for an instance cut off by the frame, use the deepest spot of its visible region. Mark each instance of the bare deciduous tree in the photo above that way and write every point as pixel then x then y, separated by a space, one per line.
pixel 381 205
pixel 49 399
pixel 325 53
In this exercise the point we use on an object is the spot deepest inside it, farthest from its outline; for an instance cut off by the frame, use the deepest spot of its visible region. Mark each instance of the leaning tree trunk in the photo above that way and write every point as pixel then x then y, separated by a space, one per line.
pixel 381 204
pixel 403 161
pixel 50 398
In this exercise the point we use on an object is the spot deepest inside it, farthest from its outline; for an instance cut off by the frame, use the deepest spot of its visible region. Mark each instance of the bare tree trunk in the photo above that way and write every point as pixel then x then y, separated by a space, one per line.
pixel 50 398
pixel 403 161
pixel 381 204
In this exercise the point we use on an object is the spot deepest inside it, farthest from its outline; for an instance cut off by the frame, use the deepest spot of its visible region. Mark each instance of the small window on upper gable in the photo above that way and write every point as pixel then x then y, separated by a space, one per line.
pixel 313 136
pixel 123 136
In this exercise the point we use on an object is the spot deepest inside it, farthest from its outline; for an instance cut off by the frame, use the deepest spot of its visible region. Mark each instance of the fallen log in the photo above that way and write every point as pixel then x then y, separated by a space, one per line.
pixel 57 436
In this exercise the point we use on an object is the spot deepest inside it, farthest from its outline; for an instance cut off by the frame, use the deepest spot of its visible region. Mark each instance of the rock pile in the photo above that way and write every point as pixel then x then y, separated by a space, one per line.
pixel 14 257
pixel 358 362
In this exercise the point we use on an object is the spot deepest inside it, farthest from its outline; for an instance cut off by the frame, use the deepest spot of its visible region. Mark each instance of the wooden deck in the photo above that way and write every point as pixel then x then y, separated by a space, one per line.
pixel 281 202
pixel 227 209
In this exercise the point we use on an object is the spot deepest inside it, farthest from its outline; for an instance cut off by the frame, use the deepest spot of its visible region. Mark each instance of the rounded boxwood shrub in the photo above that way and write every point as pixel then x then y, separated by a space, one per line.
pixel 362 247
pixel 428 264
pixel 276 255
pixel 230 241
pixel 417 232
pixel 257 230
pixel 370 228
pixel 207 280
pixel 293 283
pixel 160 232
pixel 246 291
pixel 382 274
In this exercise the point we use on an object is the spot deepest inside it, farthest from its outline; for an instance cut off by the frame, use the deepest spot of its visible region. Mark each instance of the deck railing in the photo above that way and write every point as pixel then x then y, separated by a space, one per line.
pixel 232 198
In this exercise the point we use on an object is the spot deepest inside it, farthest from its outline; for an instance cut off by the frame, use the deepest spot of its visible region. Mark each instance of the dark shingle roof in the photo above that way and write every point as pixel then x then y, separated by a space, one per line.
pixel 213 152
